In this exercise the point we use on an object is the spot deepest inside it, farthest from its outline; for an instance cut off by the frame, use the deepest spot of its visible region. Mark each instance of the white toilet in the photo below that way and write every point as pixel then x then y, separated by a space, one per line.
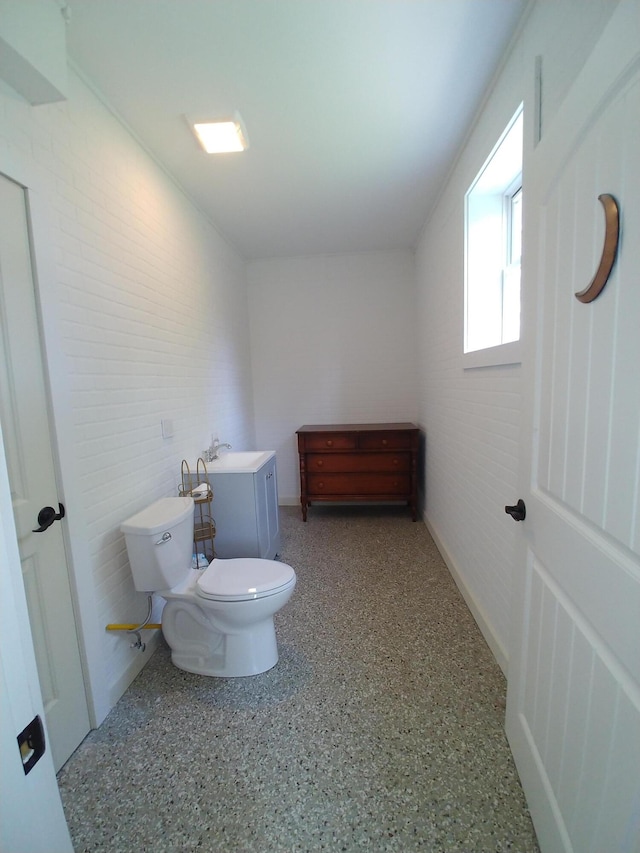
pixel 218 621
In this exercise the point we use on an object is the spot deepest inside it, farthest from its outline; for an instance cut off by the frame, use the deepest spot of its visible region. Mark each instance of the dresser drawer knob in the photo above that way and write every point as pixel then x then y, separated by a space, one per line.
pixel 384 442
pixel 319 463
pixel 329 443
pixel 321 485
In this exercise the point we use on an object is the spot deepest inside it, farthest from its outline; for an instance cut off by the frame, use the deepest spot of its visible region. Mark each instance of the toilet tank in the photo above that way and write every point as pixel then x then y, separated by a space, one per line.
pixel 159 542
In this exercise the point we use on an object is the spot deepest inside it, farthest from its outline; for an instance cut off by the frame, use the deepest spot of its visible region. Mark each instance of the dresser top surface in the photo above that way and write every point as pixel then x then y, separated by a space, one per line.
pixel 356 427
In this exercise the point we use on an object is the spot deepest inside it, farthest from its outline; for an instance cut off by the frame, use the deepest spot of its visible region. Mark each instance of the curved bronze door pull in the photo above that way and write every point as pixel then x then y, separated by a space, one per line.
pixel 612 230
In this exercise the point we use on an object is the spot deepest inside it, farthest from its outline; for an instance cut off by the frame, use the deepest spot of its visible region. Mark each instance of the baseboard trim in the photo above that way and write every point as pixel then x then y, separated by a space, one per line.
pixel 289 501
pixel 477 612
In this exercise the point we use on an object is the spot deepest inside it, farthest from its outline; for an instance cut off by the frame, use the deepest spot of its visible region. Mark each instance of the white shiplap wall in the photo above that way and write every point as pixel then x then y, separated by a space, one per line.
pixel 146 318
pixel 471 420
pixel 333 340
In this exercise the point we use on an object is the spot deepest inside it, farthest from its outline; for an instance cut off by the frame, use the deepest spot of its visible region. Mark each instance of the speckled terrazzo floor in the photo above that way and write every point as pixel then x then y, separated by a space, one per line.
pixel 380 729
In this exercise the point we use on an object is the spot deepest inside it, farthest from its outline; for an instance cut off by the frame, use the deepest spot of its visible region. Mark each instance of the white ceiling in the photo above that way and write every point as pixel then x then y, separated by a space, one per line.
pixel 354 109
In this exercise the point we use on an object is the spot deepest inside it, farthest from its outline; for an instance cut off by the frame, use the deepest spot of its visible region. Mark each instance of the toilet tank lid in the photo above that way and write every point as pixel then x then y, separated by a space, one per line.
pixel 163 514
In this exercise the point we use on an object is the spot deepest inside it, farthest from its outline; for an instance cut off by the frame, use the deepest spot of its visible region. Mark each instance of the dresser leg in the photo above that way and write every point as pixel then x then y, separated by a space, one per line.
pixel 303 504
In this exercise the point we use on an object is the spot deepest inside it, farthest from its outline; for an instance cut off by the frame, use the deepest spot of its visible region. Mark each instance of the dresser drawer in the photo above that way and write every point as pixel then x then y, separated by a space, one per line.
pixel 335 484
pixel 385 440
pixel 330 441
pixel 369 462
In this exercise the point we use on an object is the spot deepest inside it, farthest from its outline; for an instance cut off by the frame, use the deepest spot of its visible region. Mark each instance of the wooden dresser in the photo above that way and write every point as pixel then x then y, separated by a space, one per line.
pixel 359 462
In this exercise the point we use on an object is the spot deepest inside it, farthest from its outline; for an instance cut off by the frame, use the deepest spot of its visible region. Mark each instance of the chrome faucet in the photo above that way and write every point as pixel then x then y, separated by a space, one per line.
pixel 214 450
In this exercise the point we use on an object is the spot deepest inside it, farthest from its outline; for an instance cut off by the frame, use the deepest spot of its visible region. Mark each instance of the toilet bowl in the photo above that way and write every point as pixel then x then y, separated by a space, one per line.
pixel 218 621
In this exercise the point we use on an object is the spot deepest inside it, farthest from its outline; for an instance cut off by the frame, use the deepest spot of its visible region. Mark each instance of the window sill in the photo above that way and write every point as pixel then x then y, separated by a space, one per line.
pixel 500 356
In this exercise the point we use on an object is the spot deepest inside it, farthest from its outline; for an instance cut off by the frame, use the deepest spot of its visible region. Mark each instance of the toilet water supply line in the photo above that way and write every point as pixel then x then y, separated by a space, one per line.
pixel 135 629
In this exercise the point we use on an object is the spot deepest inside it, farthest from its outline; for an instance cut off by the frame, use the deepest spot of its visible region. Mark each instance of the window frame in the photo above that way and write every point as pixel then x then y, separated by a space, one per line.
pixel 487 252
pixel 511 268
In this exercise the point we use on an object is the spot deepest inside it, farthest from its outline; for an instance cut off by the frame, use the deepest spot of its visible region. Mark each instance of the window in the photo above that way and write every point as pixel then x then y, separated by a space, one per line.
pixel 493 231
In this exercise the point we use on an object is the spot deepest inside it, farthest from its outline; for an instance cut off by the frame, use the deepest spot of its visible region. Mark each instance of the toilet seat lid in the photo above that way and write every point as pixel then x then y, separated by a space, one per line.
pixel 243 578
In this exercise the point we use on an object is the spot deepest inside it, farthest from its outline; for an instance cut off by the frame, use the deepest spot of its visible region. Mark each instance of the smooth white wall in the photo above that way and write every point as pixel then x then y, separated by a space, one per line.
pixel 145 318
pixel 472 417
pixel 333 340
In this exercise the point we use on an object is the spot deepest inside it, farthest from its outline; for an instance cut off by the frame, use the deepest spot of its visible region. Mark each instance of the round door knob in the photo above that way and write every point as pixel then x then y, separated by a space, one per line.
pixel 517 512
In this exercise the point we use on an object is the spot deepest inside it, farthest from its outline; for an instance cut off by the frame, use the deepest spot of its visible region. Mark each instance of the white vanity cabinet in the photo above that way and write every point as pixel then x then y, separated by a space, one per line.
pixel 245 509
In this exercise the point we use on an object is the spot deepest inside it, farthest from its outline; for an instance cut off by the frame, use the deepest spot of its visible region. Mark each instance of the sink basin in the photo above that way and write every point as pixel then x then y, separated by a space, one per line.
pixel 241 461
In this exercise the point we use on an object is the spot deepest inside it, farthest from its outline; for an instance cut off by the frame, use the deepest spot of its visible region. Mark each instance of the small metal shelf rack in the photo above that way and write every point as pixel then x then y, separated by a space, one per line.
pixel 198 487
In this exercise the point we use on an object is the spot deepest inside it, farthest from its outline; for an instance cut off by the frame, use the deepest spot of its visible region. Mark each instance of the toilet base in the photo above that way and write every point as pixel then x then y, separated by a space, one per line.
pixel 231 655
pixel 222 638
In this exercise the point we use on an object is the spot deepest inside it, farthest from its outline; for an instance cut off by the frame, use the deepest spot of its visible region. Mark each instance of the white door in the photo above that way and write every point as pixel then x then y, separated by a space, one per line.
pixel 25 426
pixel 31 816
pixel 573 710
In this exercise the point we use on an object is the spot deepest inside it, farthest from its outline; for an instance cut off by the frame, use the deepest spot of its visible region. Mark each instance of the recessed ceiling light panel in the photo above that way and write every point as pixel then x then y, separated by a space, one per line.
pixel 221 136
